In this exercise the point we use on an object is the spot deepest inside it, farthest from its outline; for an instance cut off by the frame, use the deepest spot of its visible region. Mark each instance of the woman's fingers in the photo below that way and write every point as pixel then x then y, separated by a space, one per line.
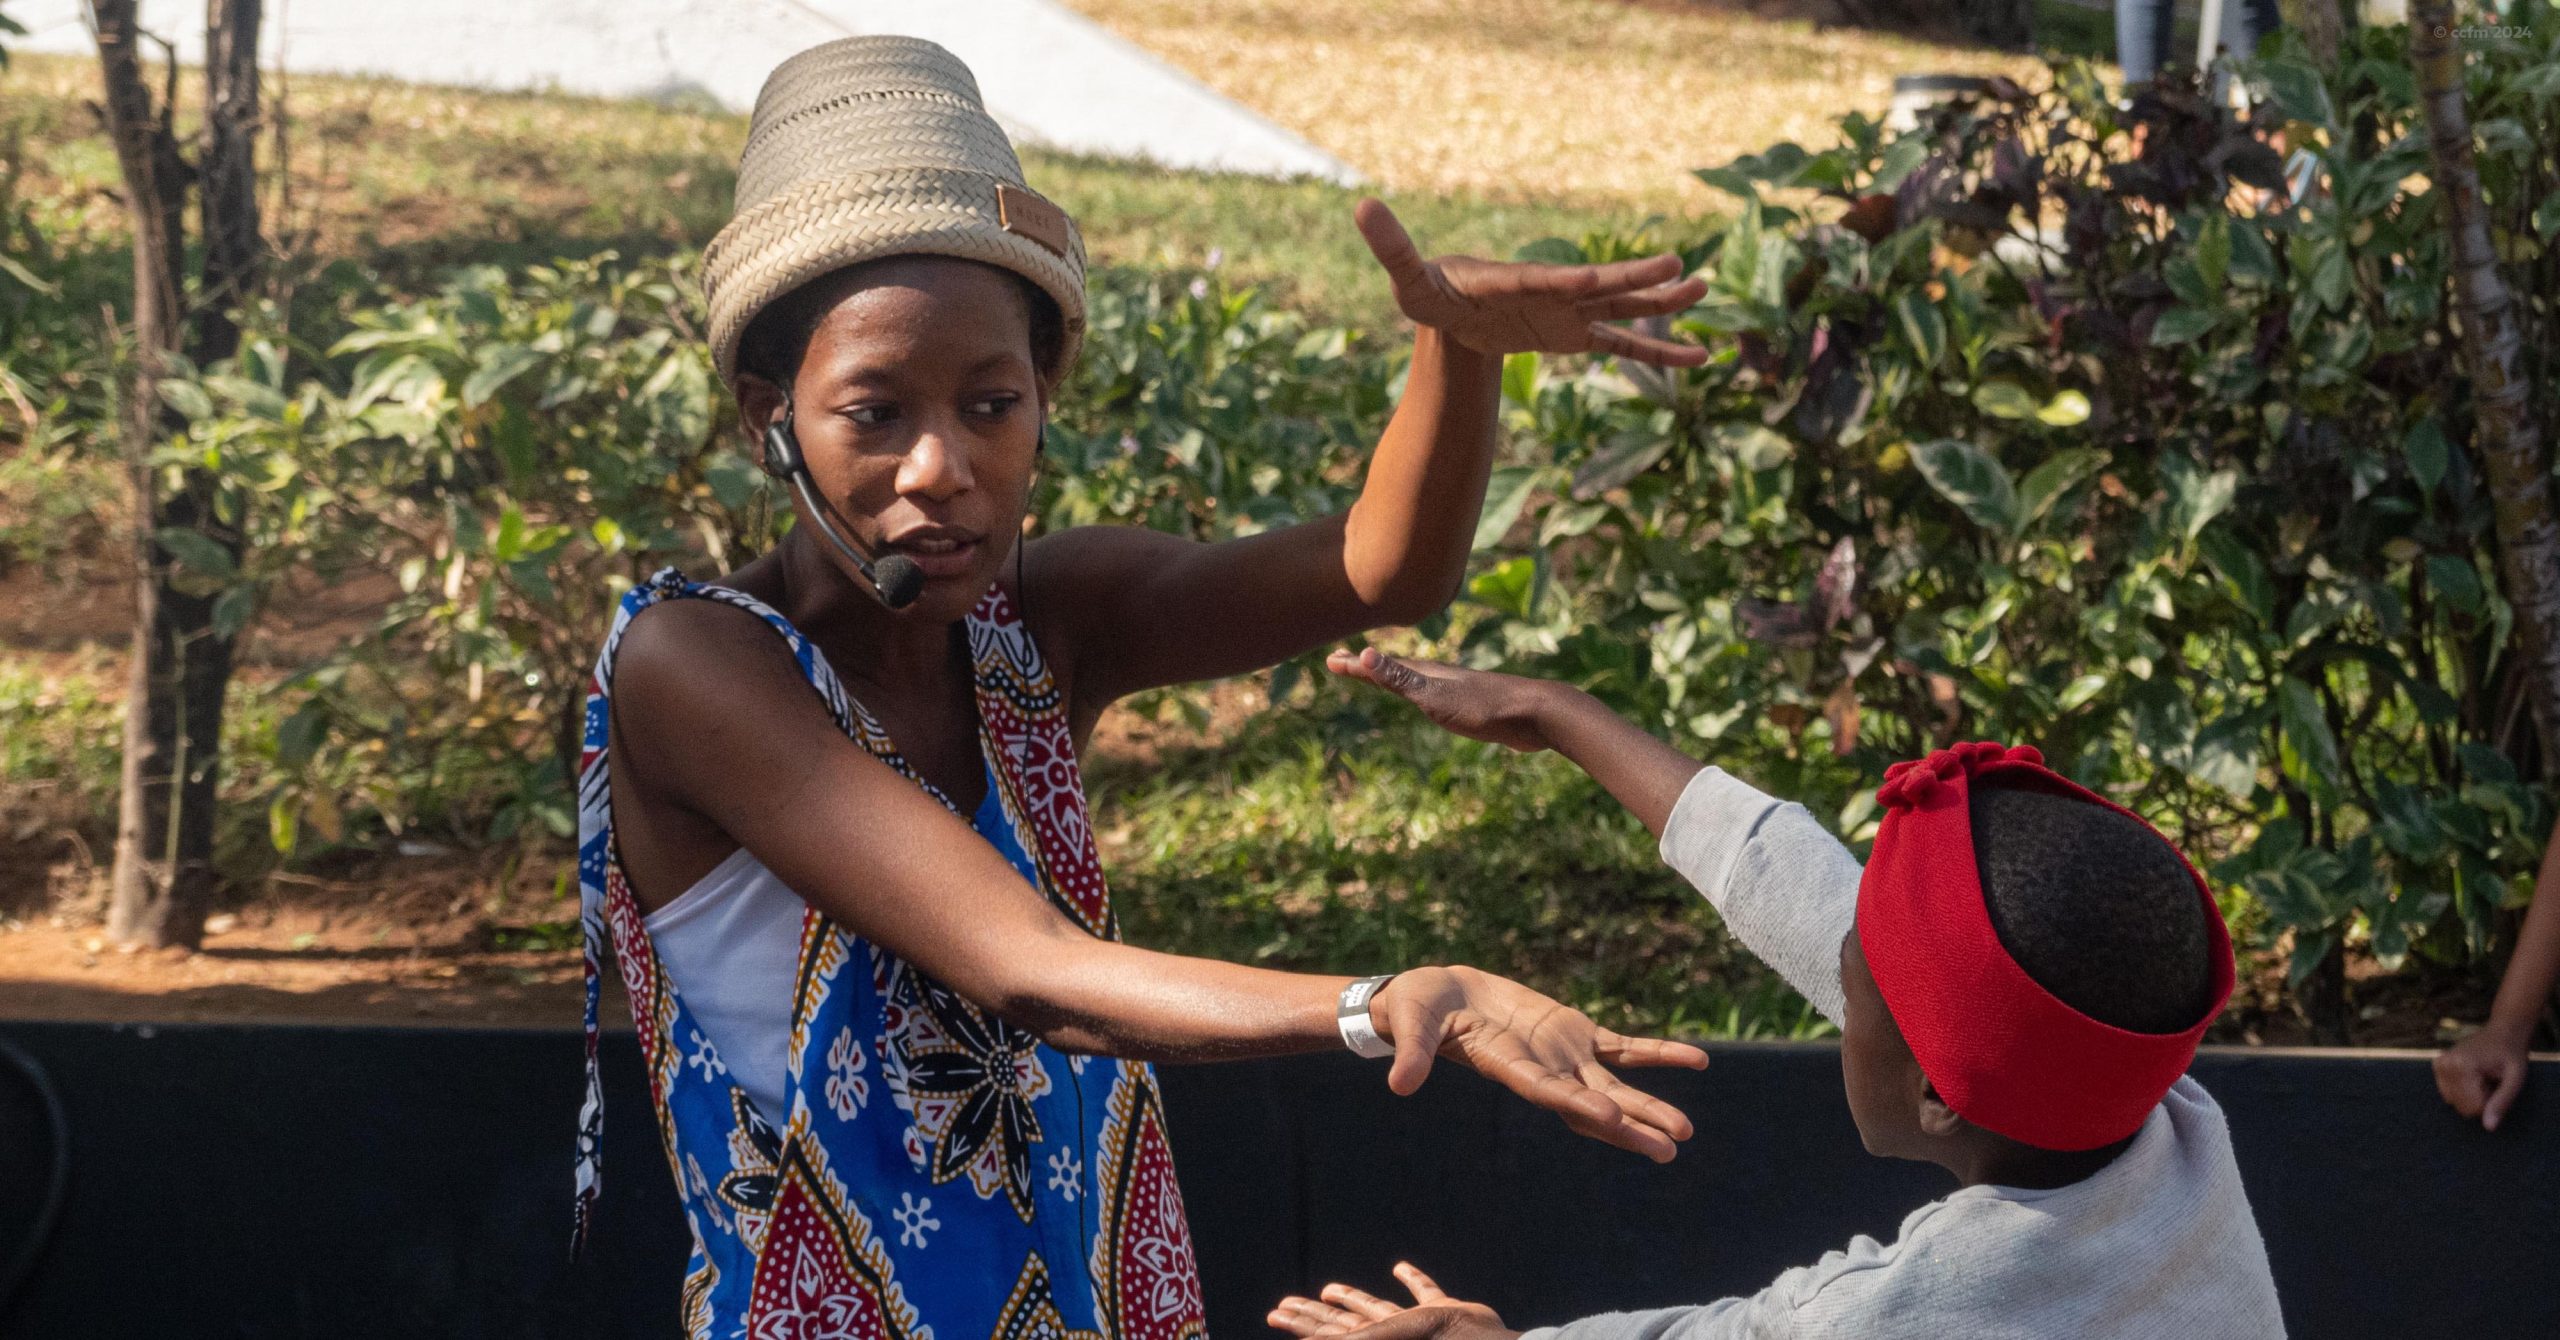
pixel 1368 1305
pixel 1588 282
pixel 1505 1059
pixel 1308 1317
pixel 1391 244
pixel 1426 1291
pixel 1644 348
pixel 1639 1106
pixel 1661 300
pixel 1617 1049
pixel 1417 1040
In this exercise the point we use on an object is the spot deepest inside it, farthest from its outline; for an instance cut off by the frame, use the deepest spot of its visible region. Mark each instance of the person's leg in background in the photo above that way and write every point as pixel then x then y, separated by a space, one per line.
pixel 2245 23
pixel 2143 29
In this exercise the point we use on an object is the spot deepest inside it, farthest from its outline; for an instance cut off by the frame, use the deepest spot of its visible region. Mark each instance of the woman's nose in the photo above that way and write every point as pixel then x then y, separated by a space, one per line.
pixel 936 466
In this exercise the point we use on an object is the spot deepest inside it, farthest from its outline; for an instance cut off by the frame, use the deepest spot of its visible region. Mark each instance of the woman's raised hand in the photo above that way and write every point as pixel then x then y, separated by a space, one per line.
pixel 1541 1049
pixel 1342 1309
pixel 1497 307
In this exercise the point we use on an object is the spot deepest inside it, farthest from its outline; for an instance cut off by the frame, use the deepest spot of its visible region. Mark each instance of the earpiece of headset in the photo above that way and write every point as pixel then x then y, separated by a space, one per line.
pixel 782 445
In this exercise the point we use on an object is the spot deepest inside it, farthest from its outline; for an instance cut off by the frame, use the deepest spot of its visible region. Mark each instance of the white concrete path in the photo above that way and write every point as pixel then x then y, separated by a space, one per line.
pixel 1050 75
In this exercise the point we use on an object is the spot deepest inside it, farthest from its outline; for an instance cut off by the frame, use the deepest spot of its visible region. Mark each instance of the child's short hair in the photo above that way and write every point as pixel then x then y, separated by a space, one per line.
pixel 2095 907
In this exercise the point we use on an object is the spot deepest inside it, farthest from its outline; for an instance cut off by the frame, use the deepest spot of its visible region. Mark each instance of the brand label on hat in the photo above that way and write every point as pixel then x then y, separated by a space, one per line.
pixel 1032 217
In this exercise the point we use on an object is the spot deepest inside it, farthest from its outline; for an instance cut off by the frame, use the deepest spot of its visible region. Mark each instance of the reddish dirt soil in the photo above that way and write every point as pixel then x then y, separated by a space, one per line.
pixel 443 939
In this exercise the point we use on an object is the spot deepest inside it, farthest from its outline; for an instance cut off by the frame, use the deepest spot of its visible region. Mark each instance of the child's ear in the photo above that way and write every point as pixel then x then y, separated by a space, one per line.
pixel 1936 1118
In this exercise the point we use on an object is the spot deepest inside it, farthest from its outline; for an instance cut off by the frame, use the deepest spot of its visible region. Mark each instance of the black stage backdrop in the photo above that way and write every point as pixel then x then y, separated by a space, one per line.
pixel 238 1181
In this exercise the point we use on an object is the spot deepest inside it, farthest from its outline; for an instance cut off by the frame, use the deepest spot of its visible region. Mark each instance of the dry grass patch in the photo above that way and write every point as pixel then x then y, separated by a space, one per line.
pixel 1595 101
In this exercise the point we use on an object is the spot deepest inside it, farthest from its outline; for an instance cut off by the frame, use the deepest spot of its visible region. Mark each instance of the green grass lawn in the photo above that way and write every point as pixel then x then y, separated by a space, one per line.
pixel 396 183
pixel 1343 836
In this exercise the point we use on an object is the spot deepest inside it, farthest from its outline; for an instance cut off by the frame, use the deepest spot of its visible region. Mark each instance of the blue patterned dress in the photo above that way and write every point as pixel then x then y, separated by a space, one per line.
pixel 940 1174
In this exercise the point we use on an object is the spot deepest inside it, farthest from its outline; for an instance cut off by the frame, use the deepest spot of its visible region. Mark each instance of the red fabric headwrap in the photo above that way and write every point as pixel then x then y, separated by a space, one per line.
pixel 2000 1049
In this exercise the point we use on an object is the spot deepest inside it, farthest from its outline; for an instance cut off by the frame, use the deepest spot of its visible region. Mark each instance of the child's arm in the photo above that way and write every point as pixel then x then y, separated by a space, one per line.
pixel 2482 1074
pixel 1786 887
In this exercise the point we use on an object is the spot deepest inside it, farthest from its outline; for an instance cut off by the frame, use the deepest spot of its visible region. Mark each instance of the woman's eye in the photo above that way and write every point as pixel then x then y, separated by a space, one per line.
pixel 995 406
pixel 871 415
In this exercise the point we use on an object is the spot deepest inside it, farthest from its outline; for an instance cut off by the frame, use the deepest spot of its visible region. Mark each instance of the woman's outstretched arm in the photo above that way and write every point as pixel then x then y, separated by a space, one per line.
pixel 712 716
pixel 1123 609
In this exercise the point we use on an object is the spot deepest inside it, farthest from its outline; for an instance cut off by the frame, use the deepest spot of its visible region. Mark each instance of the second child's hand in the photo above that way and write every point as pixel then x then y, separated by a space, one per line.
pixel 1517 712
pixel 1344 1310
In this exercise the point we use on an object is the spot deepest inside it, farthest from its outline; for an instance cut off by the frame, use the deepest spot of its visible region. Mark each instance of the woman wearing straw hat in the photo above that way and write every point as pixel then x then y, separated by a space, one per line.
pixel 830 814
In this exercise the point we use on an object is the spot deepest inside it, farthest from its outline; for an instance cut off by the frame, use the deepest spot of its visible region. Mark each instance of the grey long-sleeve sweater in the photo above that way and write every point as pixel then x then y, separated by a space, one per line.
pixel 2160 1242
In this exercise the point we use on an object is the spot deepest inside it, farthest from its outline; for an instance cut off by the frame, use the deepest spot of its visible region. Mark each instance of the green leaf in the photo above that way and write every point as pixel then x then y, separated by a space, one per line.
pixel 2546 217
pixel 188 399
pixel 509 546
pixel 2307 727
pixel 284 821
pixel 1565 523
pixel 2080 691
pixel 1628 454
pixel 232 609
pixel 2252 260
pixel 2243 570
pixel 1923 327
pixel 1966 475
pixel 2213 252
pixel 2485 764
pixel 2201 498
pixel 2004 400
pixel 2428 453
pixel 1284 677
pixel 2457 581
pixel 299 736
pixel 1552 251
pixel 2298 91
pixel 511 437
pixel 1753 446
pixel 2045 485
pixel 1503 498
pixel 497 367
pixel 733 481
pixel 2180 325
pixel 2067 409
pixel 2308 952
pixel 198 552
pixel 1507 586
pixel 1520 380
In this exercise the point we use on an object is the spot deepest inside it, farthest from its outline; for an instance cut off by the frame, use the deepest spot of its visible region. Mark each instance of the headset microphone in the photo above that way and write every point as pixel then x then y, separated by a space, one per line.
pixel 896 580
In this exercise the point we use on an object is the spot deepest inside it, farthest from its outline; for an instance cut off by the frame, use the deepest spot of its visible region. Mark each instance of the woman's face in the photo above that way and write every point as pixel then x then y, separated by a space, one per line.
pixel 918 411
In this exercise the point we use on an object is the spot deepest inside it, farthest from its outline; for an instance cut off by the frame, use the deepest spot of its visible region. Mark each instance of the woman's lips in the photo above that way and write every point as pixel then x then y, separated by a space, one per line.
pixel 940 557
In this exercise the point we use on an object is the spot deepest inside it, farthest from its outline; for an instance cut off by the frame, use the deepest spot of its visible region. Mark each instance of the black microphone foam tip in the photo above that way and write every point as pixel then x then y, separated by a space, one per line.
pixel 899 579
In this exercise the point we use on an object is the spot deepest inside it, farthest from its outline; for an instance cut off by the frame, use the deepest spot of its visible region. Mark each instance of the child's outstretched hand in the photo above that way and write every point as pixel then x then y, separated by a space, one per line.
pixel 1344 1310
pixel 1497 307
pixel 2482 1074
pixel 1478 704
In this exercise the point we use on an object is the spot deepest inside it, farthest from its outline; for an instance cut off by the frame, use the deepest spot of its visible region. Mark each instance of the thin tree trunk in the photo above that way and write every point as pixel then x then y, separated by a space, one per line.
pixel 2510 446
pixel 180 663
pixel 155 194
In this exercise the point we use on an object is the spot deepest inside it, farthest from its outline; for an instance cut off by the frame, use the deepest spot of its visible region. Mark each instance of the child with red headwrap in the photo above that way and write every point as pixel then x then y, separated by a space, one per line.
pixel 2020 974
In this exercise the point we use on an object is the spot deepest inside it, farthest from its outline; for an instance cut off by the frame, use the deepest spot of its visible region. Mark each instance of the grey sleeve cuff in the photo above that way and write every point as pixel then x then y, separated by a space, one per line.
pixel 1784 885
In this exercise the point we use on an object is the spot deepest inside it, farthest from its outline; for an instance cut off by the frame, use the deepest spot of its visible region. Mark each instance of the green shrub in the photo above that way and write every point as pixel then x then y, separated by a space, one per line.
pixel 2017 432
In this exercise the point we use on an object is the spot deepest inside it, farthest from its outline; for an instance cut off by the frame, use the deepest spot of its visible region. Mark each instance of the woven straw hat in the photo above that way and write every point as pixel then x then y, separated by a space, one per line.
pixel 868 147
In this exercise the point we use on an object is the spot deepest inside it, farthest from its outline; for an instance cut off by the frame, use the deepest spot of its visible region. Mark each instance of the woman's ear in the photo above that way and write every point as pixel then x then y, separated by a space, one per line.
pixel 760 402
pixel 1936 1118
